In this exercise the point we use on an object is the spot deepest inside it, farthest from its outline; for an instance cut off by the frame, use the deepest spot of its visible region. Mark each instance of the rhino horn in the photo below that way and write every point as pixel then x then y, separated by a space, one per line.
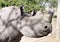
pixel 48 17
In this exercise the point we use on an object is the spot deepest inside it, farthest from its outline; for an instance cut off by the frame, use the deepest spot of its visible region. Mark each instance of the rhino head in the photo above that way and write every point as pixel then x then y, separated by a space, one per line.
pixel 36 25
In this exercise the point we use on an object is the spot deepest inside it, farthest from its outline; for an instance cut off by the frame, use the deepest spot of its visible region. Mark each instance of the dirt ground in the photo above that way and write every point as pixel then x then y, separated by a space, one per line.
pixel 49 38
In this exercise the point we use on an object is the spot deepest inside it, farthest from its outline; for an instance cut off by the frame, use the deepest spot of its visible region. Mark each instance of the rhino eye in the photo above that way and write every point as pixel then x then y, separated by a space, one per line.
pixel 45 27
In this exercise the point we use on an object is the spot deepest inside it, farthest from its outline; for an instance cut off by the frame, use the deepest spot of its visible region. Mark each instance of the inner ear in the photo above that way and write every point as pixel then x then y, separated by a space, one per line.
pixel 21 9
pixel 34 12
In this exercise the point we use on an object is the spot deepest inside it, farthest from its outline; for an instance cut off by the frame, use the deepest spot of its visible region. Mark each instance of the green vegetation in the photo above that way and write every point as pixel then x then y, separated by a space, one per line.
pixel 28 4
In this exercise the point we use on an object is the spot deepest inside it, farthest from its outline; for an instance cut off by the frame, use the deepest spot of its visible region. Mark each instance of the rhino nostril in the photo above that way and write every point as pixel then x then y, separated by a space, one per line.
pixel 45 27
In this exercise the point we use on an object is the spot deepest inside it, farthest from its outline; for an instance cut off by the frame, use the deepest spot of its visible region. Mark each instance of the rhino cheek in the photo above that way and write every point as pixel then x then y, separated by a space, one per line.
pixel 26 31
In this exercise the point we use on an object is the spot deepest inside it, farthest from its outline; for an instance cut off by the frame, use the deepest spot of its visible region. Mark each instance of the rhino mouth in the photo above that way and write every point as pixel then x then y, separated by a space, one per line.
pixel 42 34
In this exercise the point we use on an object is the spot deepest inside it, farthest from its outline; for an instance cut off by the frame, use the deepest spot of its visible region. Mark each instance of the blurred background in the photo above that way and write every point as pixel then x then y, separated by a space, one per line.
pixel 29 5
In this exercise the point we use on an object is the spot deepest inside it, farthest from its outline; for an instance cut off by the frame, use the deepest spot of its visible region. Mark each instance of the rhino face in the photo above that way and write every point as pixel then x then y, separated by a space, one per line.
pixel 37 30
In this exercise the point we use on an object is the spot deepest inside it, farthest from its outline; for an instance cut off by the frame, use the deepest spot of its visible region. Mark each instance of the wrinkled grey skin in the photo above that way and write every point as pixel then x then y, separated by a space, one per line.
pixel 8 24
pixel 13 25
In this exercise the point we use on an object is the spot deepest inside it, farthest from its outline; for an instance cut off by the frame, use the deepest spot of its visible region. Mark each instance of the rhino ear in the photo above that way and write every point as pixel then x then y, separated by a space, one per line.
pixel 21 9
pixel 34 13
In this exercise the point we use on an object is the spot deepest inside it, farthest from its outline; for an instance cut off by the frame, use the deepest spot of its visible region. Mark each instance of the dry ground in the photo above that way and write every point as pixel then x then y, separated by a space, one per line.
pixel 49 38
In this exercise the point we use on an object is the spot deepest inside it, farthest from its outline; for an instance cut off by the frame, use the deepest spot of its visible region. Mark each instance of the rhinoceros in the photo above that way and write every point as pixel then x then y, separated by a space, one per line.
pixel 14 23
